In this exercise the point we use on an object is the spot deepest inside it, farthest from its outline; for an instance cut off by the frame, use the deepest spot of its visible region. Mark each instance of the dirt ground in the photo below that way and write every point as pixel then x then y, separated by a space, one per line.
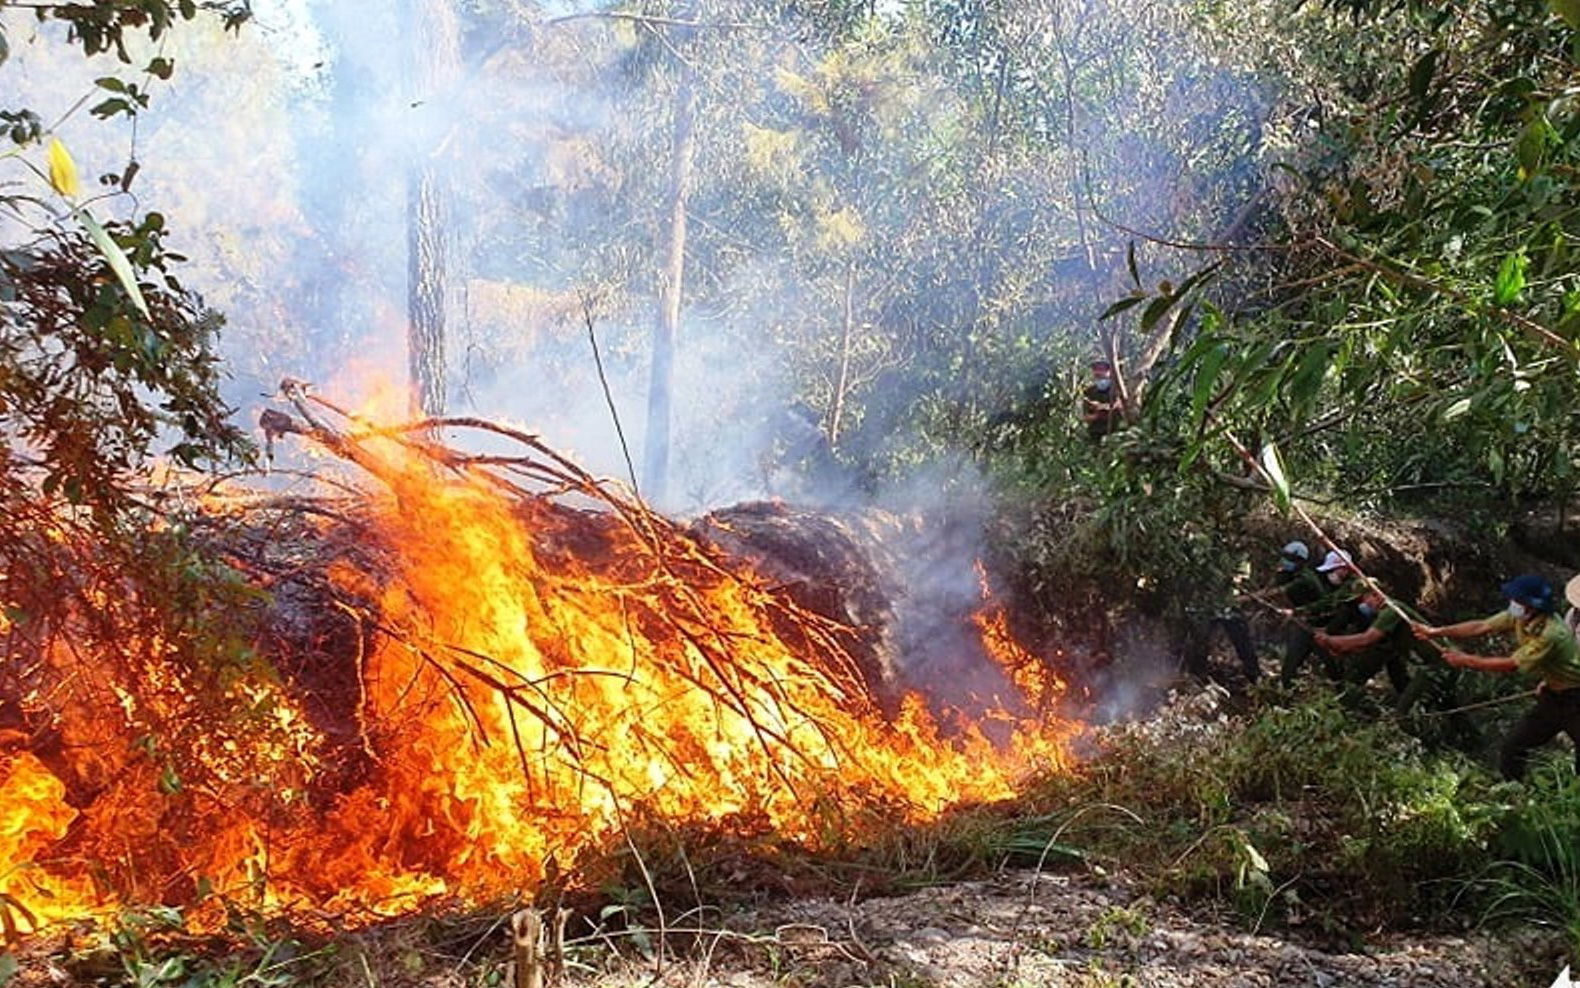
pixel 1027 929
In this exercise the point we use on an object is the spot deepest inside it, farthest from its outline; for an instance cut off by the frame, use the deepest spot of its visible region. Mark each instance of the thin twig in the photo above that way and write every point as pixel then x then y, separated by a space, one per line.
pixel 608 397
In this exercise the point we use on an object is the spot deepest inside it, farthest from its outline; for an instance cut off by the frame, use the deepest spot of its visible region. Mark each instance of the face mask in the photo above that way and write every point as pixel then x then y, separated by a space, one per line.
pixel 1517 610
pixel 1336 576
pixel 1103 384
pixel 1368 611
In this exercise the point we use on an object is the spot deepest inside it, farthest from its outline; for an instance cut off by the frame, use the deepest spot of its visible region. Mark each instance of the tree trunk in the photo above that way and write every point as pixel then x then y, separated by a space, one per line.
pixel 425 290
pixel 843 380
pixel 661 384
pixel 434 65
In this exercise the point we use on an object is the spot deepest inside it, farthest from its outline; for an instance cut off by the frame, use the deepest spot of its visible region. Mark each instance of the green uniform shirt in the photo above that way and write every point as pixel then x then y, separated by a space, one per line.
pixel 1303 588
pixel 1546 648
pixel 1397 636
pixel 1335 612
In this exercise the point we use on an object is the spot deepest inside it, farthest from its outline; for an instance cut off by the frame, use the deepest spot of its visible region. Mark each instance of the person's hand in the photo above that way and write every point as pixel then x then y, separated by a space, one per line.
pixel 1425 631
pixel 1457 659
pixel 1323 640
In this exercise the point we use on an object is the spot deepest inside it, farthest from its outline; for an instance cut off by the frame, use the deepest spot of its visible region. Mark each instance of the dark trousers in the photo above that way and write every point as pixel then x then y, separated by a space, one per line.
pixel 1360 668
pixel 1554 713
pixel 1298 646
pixel 1198 642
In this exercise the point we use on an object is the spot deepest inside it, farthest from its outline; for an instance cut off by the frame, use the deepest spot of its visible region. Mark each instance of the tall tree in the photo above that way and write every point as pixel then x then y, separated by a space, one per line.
pixel 671 284
pixel 435 58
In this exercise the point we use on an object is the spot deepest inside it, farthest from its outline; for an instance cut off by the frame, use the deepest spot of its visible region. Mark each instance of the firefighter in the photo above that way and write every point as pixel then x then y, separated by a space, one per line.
pixel 1301 587
pixel 1545 648
pixel 1385 643
pixel 1101 407
pixel 1335 611
pixel 1214 610
pixel 1572 595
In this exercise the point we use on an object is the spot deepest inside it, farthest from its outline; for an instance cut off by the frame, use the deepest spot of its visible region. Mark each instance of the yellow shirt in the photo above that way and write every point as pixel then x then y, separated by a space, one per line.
pixel 1546 648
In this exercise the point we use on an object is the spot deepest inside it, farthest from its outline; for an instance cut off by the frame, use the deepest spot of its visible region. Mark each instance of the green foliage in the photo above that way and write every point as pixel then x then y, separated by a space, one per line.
pixel 1538 880
pixel 98 373
pixel 1421 276
pixel 1124 921
pixel 104 26
pixel 90 382
pixel 150 948
pixel 1300 813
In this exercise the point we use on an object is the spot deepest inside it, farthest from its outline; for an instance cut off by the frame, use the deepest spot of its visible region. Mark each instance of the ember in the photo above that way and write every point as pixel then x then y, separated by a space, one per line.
pixel 478 678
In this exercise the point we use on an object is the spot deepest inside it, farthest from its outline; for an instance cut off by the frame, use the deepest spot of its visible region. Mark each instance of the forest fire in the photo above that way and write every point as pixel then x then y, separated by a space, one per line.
pixel 472 688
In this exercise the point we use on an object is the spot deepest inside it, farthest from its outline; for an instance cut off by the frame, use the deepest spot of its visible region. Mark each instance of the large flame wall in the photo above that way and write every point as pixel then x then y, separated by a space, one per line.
pixel 530 682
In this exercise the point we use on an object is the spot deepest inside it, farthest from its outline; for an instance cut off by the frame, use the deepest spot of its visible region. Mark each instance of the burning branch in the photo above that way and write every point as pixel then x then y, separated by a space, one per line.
pixel 439 687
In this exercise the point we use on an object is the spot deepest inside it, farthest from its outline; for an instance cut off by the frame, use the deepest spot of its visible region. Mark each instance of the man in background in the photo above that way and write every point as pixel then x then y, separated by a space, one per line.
pixel 1101 407
pixel 1302 588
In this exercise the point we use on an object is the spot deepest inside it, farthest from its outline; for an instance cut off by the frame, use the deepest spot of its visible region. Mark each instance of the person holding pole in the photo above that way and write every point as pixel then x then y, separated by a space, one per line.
pixel 1545 648
pixel 1385 643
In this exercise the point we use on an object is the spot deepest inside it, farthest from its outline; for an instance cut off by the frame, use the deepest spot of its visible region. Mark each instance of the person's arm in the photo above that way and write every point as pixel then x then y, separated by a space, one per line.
pixel 1464 629
pixel 1481 663
pixel 1349 643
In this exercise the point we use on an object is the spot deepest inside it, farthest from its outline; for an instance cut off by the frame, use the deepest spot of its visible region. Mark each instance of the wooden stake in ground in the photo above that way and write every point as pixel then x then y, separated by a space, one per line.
pixel 526 929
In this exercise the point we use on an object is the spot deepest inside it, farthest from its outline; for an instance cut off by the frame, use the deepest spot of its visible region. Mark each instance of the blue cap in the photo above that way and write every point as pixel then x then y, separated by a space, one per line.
pixel 1532 590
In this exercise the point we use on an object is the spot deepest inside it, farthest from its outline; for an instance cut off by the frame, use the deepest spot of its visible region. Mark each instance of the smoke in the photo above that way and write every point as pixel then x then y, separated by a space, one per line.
pixel 281 158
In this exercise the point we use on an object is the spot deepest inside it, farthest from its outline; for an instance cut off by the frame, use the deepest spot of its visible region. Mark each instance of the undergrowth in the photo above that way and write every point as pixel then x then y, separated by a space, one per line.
pixel 1311 815
pixel 1302 816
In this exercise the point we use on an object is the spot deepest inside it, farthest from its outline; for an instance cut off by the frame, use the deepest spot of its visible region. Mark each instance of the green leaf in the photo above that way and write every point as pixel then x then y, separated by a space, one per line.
pixel 1511 279
pixel 1121 306
pixel 1273 466
pixel 1531 146
pixel 1157 310
pixel 116 258
pixel 1457 409
pixel 1420 82
pixel 1569 10
pixel 1197 278
pixel 8 964
pixel 1130 253
pixel 161 68
pixel 1206 376
pixel 167 970
pixel 110 108
pixel 1308 375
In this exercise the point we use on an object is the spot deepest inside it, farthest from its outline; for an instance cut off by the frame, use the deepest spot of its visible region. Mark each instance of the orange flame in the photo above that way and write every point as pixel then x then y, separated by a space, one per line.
pixel 524 694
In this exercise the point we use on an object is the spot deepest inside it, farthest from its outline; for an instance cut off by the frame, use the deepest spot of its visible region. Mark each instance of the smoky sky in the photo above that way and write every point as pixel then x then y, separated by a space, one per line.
pixel 280 156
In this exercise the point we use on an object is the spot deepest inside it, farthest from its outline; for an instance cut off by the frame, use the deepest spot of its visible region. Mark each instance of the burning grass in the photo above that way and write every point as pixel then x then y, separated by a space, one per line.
pixel 467 681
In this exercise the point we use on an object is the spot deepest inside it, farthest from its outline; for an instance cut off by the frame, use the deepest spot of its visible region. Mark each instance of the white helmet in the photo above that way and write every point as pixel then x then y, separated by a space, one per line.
pixel 1296 550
